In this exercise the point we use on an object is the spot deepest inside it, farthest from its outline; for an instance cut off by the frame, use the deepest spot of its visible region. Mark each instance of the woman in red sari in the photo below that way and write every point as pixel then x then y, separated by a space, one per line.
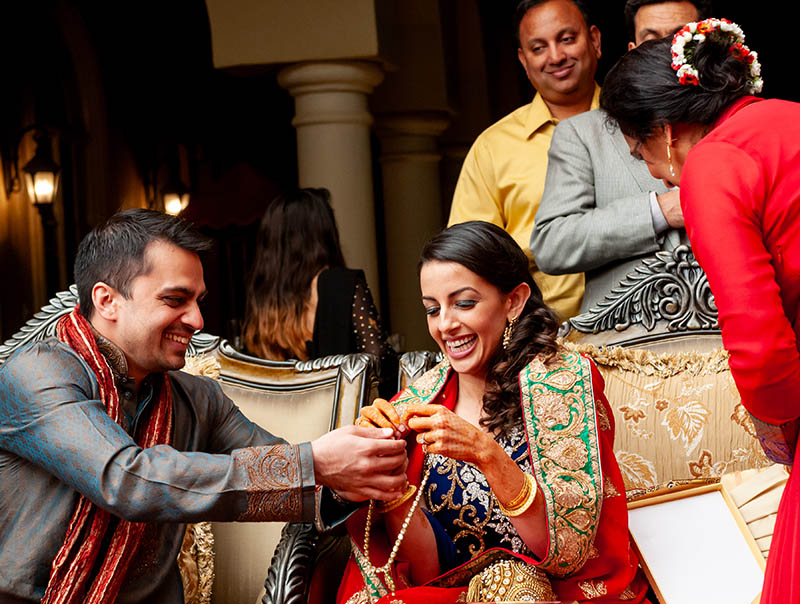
pixel 512 474
pixel 686 107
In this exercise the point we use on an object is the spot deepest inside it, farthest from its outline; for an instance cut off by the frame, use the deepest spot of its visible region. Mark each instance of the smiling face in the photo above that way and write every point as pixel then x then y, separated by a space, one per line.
pixel 654 21
pixel 466 315
pixel 559 52
pixel 153 327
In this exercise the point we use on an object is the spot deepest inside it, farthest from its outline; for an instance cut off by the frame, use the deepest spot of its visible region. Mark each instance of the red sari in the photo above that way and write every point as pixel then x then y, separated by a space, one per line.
pixel 570 432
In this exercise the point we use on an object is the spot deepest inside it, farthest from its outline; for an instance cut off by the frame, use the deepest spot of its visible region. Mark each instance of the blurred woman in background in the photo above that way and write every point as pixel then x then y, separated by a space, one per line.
pixel 302 301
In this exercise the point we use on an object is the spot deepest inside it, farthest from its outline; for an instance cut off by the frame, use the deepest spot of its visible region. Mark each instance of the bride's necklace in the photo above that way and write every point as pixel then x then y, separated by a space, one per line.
pixel 386 569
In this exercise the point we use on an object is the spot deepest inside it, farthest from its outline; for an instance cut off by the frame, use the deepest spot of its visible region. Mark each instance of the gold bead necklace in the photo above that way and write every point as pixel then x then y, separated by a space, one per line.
pixel 386 569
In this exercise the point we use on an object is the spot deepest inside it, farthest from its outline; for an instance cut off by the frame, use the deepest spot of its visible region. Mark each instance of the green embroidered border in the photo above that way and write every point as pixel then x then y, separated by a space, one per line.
pixel 425 388
pixel 422 391
pixel 375 587
pixel 559 411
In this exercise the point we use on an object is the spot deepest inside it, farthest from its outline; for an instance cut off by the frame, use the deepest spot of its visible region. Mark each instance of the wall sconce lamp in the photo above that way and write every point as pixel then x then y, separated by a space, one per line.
pixel 176 196
pixel 173 197
pixel 41 173
pixel 41 176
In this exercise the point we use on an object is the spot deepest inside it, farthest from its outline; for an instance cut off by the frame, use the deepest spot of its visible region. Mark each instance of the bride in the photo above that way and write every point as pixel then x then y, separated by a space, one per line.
pixel 514 492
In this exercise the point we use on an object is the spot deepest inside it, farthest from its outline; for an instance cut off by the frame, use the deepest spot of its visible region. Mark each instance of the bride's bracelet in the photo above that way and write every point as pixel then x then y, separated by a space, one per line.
pixel 520 504
pixel 396 503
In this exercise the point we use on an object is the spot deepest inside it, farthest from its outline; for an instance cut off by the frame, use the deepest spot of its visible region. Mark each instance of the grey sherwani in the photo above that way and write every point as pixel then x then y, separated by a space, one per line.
pixel 595 213
pixel 57 440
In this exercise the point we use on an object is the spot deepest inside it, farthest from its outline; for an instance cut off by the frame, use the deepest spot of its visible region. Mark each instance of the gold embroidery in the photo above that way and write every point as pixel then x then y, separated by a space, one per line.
pixel 602 417
pixel 472 530
pixel 550 409
pixel 627 594
pixel 593 553
pixel 593 589
pixel 477 513
pixel 609 490
pixel 569 488
pixel 569 453
pixel 360 597
pixel 561 423
pixel 373 584
pixel 662 404
pixel 563 379
pixel 510 581
pixel 272 482
pixel 425 388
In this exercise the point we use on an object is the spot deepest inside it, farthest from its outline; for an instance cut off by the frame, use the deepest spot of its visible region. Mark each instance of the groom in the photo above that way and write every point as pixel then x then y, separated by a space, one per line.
pixel 106 450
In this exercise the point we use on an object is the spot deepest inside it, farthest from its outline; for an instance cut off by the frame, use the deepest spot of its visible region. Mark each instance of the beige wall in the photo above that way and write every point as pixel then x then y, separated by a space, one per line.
pixel 255 32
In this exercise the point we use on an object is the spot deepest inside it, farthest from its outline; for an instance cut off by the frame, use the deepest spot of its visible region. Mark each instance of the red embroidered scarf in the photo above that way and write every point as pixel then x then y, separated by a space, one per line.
pixel 72 566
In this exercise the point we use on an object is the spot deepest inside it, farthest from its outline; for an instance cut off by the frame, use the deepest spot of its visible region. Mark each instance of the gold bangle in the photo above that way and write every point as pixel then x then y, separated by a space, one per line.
pixel 396 503
pixel 521 496
pixel 522 501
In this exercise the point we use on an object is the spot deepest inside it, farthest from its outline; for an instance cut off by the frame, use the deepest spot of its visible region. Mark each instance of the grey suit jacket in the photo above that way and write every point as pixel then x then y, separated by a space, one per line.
pixel 595 212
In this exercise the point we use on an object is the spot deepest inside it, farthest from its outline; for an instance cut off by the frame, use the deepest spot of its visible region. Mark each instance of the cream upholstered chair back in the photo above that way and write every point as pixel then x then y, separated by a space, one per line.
pixel 299 401
pixel 303 558
pixel 656 341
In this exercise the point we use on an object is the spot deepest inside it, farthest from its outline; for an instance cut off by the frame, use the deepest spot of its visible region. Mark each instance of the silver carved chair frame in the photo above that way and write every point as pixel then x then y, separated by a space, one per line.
pixel 666 295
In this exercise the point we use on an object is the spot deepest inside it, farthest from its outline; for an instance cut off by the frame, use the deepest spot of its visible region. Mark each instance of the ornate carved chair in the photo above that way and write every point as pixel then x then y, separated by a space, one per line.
pixel 297 400
pixel 304 559
pixel 656 340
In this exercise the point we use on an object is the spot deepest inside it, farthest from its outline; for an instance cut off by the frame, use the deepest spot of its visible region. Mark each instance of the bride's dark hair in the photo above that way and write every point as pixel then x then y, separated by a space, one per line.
pixel 491 253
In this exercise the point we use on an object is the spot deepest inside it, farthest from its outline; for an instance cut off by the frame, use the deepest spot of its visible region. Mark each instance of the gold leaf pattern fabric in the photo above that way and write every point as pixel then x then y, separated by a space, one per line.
pixel 637 472
pixel 679 415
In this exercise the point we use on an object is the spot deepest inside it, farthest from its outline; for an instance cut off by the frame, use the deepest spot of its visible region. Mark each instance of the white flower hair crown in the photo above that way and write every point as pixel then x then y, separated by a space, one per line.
pixel 690 35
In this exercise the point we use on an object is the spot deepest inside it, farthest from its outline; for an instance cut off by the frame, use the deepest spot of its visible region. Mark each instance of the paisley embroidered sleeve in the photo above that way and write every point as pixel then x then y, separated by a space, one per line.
pixel 562 424
pixel 277 483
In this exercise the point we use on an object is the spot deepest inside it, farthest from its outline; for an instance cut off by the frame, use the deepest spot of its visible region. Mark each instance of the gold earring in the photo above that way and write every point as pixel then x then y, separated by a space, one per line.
pixel 509 330
pixel 669 159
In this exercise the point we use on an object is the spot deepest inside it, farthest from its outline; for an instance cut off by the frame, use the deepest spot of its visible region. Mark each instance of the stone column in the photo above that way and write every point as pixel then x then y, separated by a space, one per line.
pixel 333 148
pixel 413 212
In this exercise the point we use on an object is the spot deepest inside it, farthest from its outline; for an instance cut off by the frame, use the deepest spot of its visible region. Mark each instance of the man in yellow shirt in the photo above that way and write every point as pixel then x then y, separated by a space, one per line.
pixel 502 179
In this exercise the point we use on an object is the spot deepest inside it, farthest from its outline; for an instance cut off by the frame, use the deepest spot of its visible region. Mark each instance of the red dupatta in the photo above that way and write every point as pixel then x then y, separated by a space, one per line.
pixel 589 555
pixel 72 566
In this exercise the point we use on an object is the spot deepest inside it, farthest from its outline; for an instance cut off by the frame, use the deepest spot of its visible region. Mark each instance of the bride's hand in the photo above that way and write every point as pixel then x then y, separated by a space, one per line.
pixel 439 430
pixel 382 414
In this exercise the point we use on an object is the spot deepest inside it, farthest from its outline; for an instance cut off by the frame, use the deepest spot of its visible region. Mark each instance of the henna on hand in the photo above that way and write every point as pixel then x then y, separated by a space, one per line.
pixel 381 414
pixel 444 432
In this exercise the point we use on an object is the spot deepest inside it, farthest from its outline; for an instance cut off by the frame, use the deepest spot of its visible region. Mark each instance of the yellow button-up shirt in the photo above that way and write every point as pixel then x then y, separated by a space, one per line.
pixel 502 182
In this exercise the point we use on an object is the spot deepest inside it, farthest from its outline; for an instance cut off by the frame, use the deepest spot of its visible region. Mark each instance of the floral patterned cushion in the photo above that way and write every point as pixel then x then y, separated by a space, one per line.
pixel 678 415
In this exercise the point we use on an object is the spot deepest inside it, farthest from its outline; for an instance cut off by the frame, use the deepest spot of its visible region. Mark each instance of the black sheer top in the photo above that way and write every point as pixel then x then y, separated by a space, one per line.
pixel 347 321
